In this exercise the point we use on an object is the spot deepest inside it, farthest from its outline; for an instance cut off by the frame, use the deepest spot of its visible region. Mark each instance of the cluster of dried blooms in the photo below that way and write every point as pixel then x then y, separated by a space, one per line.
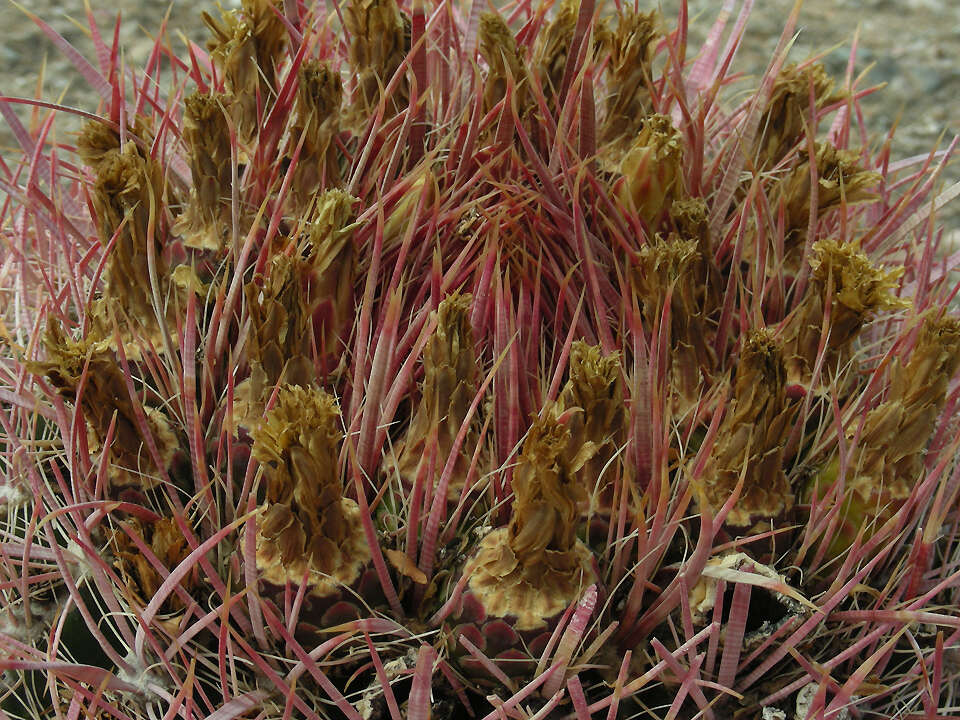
pixel 417 360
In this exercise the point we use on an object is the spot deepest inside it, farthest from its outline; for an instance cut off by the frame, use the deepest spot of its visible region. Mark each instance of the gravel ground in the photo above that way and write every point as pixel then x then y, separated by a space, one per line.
pixel 913 43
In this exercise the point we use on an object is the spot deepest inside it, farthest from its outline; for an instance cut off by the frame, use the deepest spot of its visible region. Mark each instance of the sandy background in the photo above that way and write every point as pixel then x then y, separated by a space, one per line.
pixel 913 43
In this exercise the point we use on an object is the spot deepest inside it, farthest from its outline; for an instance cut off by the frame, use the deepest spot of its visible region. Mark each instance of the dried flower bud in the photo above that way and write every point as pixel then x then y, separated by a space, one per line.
pixel 167 542
pixel 207 135
pixel 653 168
pixel 534 568
pixel 104 398
pixel 674 268
pixel 499 49
pixel 246 46
pixel 280 322
pixel 858 290
pixel 897 431
pixel 450 382
pixel 786 117
pixel 595 389
pixel 332 269
pixel 751 439
pixel 840 180
pixel 379 41
pixel 317 121
pixel 631 48
pixel 553 44
pixel 307 526
pixel 128 199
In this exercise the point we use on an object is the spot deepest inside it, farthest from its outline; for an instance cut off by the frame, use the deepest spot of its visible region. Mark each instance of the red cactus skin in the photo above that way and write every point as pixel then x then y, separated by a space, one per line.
pixel 437 360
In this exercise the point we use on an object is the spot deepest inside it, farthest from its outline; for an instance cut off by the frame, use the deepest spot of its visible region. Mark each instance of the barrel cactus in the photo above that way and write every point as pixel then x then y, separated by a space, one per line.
pixel 405 360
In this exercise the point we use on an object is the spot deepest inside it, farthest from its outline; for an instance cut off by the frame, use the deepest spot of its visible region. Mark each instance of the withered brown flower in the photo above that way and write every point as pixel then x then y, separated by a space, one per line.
pixel 307 528
pixel 786 116
pixel 631 46
pixel 499 49
pixel 450 382
pixel 379 41
pixel 105 400
pixel 751 438
pixel 857 289
pixel 535 567
pixel 653 169
pixel 247 46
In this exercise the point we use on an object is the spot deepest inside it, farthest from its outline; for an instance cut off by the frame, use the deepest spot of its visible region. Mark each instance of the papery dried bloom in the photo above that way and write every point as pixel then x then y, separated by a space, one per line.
pixel 786 117
pixel 896 432
pixel 246 46
pixel 653 168
pixel 857 289
pixel 534 568
pixel 379 41
pixel 450 382
pixel 751 439
pixel 207 135
pixel 840 181
pixel 553 44
pixel 97 140
pixel 307 528
pixel 631 46
pixel 331 261
pixel 104 400
pixel 672 268
pixel 280 329
pixel 594 391
pixel 316 122
pixel 499 49
pixel 129 198
pixel 167 542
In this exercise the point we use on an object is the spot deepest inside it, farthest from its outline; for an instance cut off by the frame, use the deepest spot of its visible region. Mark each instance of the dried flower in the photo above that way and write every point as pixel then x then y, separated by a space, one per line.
pixel 751 439
pixel 653 168
pixel 673 269
pixel 379 41
pixel 786 117
pixel 167 542
pixel 307 529
pixel 105 400
pixel 207 220
pixel 857 291
pixel 499 49
pixel 316 122
pixel 450 382
pixel 594 392
pixel 841 181
pixel 553 44
pixel 534 568
pixel 629 73
pixel 246 46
